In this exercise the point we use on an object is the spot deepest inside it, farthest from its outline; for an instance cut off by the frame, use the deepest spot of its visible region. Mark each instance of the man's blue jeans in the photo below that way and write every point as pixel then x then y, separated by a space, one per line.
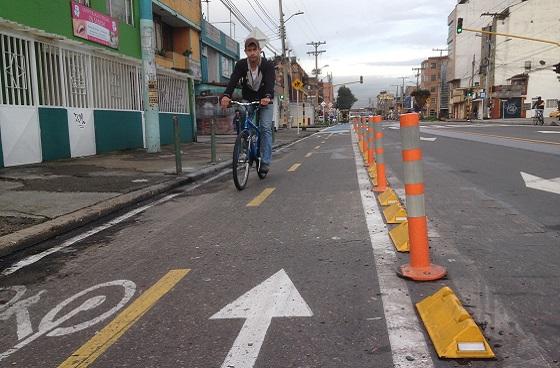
pixel 265 120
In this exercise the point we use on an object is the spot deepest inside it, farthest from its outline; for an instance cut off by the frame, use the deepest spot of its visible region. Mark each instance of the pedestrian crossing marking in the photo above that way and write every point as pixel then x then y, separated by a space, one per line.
pixel 317 147
pixel 309 154
pixel 261 197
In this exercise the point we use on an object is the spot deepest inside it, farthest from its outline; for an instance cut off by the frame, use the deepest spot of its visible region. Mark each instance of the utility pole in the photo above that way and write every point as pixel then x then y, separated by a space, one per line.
pixel 150 95
pixel 472 72
pixel 441 51
pixel 316 53
pixel 417 70
pixel 208 10
pixel 397 94
pixel 402 91
pixel 285 102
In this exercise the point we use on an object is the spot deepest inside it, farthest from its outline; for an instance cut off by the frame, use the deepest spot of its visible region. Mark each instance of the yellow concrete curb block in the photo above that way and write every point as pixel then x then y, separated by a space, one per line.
pixel 388 197
pixel 452 330
pixel 399 236
pixel 395 214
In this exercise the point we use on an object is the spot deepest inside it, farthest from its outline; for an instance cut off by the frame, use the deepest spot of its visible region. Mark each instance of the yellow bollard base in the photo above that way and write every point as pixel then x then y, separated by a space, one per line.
pixel 395 214
pixel 388 197
pixel 399 236
pixel 452 330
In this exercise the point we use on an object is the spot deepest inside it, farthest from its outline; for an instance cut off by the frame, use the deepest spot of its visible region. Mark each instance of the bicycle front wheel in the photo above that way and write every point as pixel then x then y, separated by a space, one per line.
pixel 241 163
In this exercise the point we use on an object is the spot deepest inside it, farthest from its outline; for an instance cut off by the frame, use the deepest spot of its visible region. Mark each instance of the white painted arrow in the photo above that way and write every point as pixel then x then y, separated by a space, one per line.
pixel 431 139
pixel 549 131
pixel 536 182
pixel 275 297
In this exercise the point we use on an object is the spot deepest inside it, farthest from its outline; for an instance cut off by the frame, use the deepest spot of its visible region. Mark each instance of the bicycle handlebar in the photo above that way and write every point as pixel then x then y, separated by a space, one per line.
pixel 254 103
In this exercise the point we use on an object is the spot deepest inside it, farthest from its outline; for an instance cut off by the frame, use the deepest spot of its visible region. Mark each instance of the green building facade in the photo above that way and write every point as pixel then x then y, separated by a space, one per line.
pixel 65 96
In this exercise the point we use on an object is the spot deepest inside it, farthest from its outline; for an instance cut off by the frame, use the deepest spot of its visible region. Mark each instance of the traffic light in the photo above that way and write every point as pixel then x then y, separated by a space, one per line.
pixel 557 68
pixel 459 25
pixel 361 79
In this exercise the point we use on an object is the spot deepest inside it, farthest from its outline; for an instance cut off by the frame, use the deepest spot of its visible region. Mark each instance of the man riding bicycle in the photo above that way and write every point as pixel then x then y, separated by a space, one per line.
pixel 257 76
pixel 538 105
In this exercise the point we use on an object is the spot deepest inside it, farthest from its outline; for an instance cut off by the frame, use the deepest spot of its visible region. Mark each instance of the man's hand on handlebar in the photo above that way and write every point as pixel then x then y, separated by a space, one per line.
pixel 265 101
pixel 225 102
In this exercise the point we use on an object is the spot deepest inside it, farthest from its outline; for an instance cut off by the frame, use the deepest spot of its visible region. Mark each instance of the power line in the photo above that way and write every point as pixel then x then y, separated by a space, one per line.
pixel 260 17
pixel 266 13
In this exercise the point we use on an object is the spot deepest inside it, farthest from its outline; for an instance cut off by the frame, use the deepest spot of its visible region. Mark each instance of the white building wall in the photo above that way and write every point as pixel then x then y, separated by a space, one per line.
pixel 536 19
pixel 468 44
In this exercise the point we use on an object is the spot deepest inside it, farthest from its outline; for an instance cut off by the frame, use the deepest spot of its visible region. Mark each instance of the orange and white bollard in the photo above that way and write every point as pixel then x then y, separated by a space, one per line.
pixel 379 155
pixel 364 137
pixel 420 268
pixel 371 142
pixel 360 133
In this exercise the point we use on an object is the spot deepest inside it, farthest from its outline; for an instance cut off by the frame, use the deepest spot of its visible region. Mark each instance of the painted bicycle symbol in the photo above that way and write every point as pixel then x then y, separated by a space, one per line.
pixel 52 323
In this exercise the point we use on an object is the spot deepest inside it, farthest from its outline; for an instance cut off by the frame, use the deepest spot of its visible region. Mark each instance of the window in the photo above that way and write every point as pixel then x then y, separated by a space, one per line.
pixel 227 67
pixel 433 89
pixel 83 2
pixel 551 104
pixel 163 36
pixel 434 78
pixel 433 66
pixel 121 10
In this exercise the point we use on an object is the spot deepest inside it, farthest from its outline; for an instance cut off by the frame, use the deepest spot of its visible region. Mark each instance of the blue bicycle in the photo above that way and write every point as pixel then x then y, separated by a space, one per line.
pixel 247 145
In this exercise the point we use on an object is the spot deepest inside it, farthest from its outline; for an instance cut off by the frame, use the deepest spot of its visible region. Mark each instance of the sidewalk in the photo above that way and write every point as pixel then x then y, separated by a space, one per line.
pixel 38 202
pixel 518 121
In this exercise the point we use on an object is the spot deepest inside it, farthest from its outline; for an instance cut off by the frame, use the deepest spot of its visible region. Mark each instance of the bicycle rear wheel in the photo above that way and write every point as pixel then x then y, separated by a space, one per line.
pixel 241 163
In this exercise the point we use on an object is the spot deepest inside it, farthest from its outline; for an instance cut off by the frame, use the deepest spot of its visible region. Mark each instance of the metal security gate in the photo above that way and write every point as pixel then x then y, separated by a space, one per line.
pixel 17 82
pixel 35 73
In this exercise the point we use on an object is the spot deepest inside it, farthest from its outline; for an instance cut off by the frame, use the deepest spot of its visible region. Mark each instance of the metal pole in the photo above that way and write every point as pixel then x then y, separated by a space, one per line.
pixel 285 67
pixel 177 141
pixel 297 104
pixel 192 108
pixel 151 94
pixel 213 138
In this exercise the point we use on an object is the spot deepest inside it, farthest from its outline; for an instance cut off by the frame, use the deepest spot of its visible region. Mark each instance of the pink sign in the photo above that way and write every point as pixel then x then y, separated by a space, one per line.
pixel 94 26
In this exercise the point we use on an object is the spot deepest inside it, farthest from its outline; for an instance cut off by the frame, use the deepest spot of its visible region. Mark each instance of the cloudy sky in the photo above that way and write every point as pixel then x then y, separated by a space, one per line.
pixel 379 39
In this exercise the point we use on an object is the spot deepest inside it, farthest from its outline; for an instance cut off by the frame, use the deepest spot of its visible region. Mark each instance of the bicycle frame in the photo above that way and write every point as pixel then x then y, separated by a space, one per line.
pixel 250 127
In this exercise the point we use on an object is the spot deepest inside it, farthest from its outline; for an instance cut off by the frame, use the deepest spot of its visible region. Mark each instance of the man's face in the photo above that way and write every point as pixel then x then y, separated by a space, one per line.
pixel 252 53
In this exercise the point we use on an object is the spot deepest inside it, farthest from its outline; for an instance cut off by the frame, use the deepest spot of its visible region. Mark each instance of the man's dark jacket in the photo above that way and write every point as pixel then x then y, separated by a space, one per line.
pixel 240 73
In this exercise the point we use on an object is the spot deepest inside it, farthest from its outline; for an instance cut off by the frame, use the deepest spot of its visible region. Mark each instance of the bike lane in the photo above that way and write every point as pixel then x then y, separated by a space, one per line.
pixel 290 282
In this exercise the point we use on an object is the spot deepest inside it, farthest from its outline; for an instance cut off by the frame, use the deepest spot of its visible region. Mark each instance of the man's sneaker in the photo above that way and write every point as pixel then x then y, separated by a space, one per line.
pixel 263 168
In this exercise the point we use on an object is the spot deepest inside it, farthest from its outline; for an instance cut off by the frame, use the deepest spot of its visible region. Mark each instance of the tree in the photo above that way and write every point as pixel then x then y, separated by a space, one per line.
pixel 345 98
pixel 420 98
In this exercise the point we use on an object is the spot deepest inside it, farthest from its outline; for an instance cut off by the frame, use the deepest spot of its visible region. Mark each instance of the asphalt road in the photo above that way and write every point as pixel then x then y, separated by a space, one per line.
pixel 499 239
pixel 304 277
pixel 309 235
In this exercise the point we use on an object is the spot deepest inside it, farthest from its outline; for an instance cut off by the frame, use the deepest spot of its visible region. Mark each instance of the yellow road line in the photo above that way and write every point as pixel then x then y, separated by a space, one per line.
pixel 309 154
pixel 294 167
pixel 261 197
pixel 317 147
pixel 513 138
pixel 99 343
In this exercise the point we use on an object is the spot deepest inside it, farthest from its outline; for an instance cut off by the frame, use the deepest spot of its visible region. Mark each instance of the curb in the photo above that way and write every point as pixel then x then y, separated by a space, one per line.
pixel 32 235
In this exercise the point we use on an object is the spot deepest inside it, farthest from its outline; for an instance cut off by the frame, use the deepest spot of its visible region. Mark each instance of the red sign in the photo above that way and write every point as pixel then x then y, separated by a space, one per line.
pixel 94 26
